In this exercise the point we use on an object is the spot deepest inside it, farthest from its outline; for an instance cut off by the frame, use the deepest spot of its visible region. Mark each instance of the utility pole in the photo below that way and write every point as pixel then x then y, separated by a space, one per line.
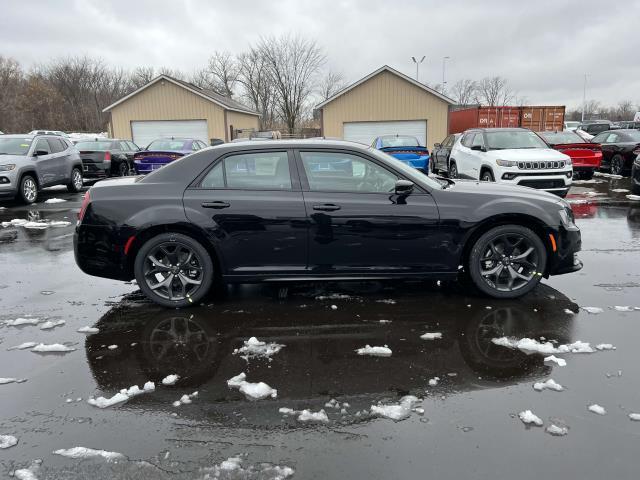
pixel 584 96
pixel 444 82
pixel 418 66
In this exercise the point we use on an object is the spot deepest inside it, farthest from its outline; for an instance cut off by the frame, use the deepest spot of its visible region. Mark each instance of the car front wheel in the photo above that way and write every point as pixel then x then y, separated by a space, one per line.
pixel 507 261
pixel 174 270
pixel 453 170
pixel 28 189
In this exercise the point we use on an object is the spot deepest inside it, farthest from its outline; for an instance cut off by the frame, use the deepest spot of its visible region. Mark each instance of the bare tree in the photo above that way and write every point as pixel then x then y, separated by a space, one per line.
pixel 330 84
pixel 292 63
pixel 592 108
pixel 11 82
pixel 493 91
pixel 141 76
pixel 221 74
pixel 463 91
pixel 258 89
pixel 625 110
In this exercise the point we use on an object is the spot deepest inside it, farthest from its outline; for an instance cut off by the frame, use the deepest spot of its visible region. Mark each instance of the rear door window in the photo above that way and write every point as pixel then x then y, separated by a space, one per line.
pixel 55 145
pixel 251 171
pixel 124 146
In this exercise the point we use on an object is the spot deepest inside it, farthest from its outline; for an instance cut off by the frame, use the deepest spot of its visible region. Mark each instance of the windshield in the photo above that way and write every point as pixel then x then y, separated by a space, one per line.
pixel 633 136
pixel 168 145
pixel 406 170
pixel 14 146
pixel 95 146
pixel 516 139
pixel 399 141
pixel 557 138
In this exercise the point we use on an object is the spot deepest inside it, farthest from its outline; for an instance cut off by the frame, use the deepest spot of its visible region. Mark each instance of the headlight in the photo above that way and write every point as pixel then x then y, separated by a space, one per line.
pixel 566 216
pixel 507 163
pixel 8 167
pixel 568 161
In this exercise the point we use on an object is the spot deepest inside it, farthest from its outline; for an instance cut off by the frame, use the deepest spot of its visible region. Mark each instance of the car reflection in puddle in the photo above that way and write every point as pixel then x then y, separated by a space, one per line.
pixel 319 361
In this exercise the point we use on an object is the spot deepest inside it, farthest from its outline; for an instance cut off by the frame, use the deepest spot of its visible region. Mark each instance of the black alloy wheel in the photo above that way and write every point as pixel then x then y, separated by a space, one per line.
pixel 123 169
pixel 617 165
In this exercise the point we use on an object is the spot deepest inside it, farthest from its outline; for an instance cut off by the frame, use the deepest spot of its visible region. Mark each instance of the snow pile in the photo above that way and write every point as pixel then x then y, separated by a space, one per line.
pixel 384 321
pixel 7 441
pixel 48 325
pixel 635 417
pixel 170 379
pixel 619 190
pixel 333 403
pixel 28 473
pixel 529 418
pixel 5 381
pixel 185 399
pixel 605 346
pixel 55 200
pixel 431 336
pixel 253 391
pixel 122 396
pixel 334 296
pixel 112 347
pixel 334 307
pixel 374 351
pixel 623 308
pixel 388 301
pixel 530 345
pixel 233 466
pixel 22 321
pixel 254 348
pixel 396 412
pixel 595 408
pixel 633 197
pixel 83 452
pixel 434 381
pixel 550 384
pixel 52 348
pixel 569 312
pixel 88 330
pixel 592 310
pixel 309 416
pixel 561 362
pixel 24 346
pixel 557 431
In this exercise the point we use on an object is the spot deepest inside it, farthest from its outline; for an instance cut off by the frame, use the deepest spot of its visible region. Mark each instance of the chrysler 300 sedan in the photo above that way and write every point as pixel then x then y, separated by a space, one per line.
pixel 317 210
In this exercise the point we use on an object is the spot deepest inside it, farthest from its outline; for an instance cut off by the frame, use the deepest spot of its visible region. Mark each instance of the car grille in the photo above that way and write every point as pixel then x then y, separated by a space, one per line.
pixel 543 184
pixel 540 165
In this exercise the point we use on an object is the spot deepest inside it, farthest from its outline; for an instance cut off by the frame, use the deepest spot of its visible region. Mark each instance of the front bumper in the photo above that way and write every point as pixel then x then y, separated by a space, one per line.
pixel 558 182
pixel 8 185
pixel 565 258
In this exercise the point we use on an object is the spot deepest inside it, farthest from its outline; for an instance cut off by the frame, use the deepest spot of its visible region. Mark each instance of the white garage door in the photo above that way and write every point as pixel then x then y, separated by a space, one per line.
pixel 365 132
pixel 144 132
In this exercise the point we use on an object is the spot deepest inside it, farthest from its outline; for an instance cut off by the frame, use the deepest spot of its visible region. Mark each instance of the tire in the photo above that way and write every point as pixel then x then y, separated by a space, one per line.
pixel 453 170
pixel 193 275
pixel 487 176
pixel 75 185
pixel 123 169
pixel 586 175
pixel 490 258
pixel 28 192
pixel 617 165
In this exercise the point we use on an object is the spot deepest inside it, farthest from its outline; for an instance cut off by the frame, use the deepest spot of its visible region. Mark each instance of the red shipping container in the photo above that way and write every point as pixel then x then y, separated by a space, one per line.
pixel 537 118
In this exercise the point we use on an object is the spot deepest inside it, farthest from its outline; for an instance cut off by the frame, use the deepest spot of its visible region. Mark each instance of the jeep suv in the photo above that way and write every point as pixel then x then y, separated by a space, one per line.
pixel 515 156
pixel 29 163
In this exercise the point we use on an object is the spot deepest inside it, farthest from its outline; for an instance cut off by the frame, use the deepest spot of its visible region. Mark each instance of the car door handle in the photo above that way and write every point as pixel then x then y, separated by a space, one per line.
pixel 216 205
pixel 327 207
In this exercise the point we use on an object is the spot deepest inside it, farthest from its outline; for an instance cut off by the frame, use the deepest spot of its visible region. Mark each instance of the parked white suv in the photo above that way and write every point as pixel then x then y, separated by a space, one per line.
pixel 511 155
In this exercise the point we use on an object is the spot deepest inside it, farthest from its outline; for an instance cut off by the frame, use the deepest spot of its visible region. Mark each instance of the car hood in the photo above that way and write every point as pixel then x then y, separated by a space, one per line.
pixel 4 159
pixel 527 154
pixel 502 189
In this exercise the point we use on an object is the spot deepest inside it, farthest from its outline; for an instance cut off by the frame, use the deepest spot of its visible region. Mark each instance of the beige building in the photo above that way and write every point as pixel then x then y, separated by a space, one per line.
pixel 386 102
pixel 167 107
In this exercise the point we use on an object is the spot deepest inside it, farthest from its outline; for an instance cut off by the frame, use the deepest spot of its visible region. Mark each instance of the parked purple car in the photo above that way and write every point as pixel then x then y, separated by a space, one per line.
pixel 163 151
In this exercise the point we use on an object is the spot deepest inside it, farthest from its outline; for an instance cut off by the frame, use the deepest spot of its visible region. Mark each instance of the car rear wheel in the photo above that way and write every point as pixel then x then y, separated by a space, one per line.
pixel 617 165
pixel 123 169
pixel 174 270
pixel 507 261
pixel 75 185
pixel 453 170
pixel 28 189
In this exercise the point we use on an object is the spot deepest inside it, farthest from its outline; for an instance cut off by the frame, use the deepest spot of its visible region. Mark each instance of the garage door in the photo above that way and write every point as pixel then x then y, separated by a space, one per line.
pixel 144 132
pixel 365 132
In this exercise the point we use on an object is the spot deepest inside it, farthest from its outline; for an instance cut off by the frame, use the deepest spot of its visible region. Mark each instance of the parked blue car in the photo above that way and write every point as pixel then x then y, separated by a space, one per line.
pixel 405 148
pixel 163 151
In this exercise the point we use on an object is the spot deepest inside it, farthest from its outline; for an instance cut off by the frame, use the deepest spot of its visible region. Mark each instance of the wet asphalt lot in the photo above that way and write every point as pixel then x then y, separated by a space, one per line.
pixel 469 428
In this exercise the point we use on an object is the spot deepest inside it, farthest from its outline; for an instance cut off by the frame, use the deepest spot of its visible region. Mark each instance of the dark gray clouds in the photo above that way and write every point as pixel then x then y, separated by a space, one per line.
pixel 543 47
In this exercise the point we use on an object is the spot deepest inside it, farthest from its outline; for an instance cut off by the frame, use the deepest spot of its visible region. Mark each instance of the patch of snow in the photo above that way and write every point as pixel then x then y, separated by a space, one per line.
pixel 607 175
pixel 374 351
pixel 388 301
pixel 557 431
pixel 84 452
pixel 170 379
pixel 384 321
pixel 605 346
pixel 633 197
pixel 334 307
pixel 635 417
pixel 529 418
pixel 5 381
pixel 238 380
pixel 580 182
pixel 595 408
pixel 560 361
pixel 569 312
pixel 333 403
pixel 619 190
pixel 112 347
pixel 88 330
pixel 550 384
pixel 185 399
pixel 623 308
pixel 55 200
pixel 309 416
pixel 48 325
pixel 22 321
pixel 52 348
pixel 334 296
pixel 254 348
pixel 434 381
pixel 24 346
pixel 253 391
pixel 592 310
pixel 28 473
pixel 122 396
pixel 7 441
pixel 233 466
pixel 396 412
pixel 530 345
pixel 286 411
pixel 431 336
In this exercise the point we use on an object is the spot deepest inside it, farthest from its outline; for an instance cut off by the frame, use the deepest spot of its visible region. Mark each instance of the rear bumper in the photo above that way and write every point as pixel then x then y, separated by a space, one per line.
pixel 144 168
pixel 95 169
pixel 565 260
pixel 421 163
pixel 99 251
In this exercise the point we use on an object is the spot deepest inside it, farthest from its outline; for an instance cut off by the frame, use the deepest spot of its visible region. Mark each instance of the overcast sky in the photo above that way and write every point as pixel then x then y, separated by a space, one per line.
pixel 543 47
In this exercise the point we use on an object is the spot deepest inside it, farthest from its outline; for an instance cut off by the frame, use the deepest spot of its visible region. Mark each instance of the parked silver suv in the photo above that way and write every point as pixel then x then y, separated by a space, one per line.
pixel 29 163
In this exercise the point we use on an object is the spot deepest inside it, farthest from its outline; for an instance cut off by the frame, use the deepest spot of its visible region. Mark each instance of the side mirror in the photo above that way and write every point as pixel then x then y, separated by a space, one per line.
pixel 404 187
pixel 436 145
pixel 478 148
pixel 40 153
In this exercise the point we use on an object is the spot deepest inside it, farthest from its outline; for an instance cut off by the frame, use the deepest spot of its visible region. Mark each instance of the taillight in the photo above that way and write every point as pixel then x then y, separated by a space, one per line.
pixel 83 208
pixel 107 156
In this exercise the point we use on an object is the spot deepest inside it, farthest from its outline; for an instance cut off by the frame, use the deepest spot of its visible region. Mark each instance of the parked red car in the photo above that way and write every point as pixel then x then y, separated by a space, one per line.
pixel 585 156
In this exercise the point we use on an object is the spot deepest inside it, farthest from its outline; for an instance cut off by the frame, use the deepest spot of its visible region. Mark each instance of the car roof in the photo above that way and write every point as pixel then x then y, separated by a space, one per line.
pixel 180 139
pixel 294 143
pixel 499 129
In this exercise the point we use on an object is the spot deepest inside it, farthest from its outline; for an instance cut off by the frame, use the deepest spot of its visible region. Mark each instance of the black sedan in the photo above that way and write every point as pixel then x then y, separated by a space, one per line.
pixel 635 176
pixel 619 149
pixel 309 210
pixel 106 157
pixel 441 153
